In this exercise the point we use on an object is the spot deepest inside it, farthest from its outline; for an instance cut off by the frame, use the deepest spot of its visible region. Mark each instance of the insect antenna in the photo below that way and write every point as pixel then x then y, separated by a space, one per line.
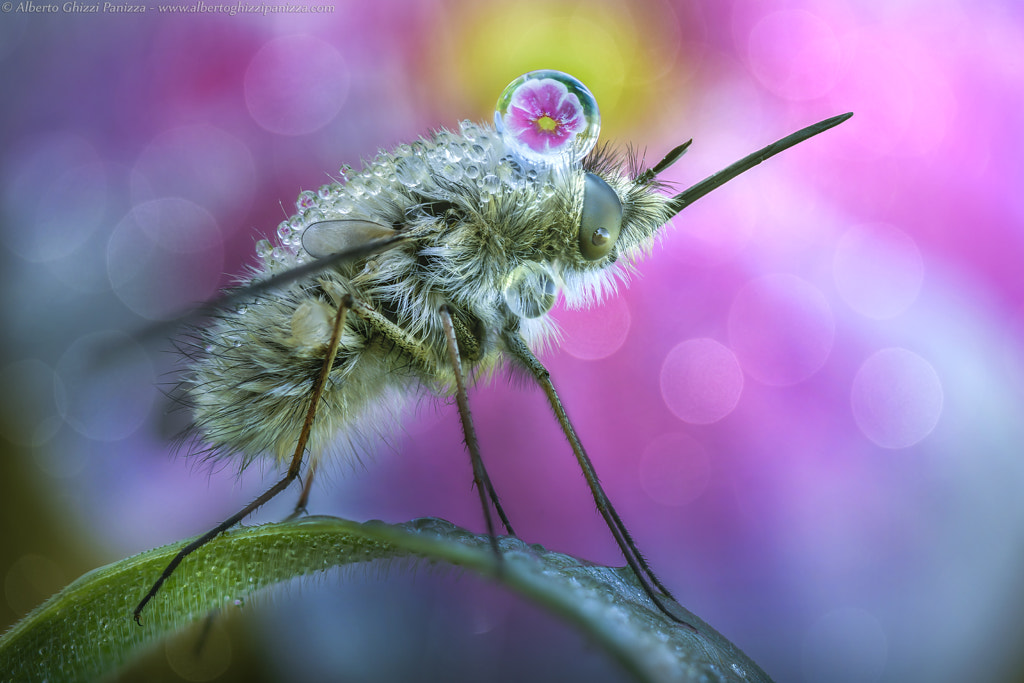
pixel 293 468
pixel 689 196
pixel 670 158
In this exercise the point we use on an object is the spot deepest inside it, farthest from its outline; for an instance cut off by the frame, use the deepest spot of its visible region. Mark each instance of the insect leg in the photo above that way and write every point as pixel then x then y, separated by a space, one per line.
pixel 480 478
pixel 418 352
pixel 300 506
pixel 293 468
pixel 518 348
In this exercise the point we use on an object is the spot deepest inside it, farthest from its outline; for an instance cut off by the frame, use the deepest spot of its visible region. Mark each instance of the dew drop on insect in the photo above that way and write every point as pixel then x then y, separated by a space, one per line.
pixel 548 117
pixel 306 200
pixel 263 248
pixel 468 129
pixel 285 231
pixel 452 172
pixel 530 290
pixel 411 171
pixel 327 193
pixel 477 153
pixel 510 171
pixel 490 183
pixel 472 171
pixel 454 153
pixel 355 188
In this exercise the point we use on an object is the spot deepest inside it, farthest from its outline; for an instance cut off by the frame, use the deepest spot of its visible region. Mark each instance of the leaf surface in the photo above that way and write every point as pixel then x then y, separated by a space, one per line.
pixel 86 630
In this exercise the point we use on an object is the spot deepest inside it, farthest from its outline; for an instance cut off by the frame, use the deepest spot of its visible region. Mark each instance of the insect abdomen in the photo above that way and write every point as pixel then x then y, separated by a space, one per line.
pixel 250 391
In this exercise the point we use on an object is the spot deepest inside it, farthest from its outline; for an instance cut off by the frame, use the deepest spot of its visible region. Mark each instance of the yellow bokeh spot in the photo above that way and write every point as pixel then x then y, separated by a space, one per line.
pixel 627 55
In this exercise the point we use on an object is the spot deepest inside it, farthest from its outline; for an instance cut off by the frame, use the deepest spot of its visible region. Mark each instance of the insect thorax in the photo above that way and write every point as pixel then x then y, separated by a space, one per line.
pixel 493 237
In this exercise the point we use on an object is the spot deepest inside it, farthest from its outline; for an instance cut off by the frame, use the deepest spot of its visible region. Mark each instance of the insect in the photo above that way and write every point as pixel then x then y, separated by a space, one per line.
pixel 428 269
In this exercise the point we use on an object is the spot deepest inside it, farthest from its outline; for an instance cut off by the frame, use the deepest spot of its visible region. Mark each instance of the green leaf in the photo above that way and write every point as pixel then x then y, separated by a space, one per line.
pixel 87 629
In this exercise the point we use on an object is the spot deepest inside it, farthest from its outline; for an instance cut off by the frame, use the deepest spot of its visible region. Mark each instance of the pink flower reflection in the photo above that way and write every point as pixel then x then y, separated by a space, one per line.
pixel 544 115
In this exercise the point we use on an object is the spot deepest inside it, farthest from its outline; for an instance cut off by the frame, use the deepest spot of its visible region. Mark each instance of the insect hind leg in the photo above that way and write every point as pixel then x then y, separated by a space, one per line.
pixel 293 469
pixel 648 581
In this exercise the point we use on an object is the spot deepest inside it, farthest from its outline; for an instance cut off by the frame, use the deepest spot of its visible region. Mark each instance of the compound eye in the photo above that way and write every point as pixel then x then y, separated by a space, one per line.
pixel 602 218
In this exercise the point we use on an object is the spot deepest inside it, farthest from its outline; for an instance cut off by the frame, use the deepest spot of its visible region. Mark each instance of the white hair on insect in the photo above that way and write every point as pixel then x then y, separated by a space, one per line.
pixel 493 231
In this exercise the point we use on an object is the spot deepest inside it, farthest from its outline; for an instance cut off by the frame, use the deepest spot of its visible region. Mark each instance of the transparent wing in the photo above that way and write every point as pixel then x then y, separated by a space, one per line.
pixel 327 238
pixel 338 241
pixel 349 243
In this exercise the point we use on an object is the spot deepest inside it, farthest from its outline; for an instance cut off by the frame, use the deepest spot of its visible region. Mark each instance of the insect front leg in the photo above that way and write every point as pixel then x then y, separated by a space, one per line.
pixel 480 478
pixel 648 581
pixel 416 350
pixel 293 468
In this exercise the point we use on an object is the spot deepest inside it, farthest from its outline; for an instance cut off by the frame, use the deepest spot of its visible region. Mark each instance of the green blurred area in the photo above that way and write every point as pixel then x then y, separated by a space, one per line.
pixel 43 551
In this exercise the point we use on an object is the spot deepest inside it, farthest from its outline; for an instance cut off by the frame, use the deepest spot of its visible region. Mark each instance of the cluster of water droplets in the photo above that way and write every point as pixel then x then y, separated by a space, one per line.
pixel 544 120
pixel 434 168
pixel 330 202
pixel 475 156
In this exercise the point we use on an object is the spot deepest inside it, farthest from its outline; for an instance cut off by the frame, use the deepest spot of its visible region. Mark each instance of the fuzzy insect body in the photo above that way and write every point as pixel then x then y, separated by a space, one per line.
pixel 487 234
pixel 438 261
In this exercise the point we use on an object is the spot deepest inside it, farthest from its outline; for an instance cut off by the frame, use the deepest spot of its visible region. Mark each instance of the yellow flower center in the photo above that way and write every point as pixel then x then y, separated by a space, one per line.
pixel 546 123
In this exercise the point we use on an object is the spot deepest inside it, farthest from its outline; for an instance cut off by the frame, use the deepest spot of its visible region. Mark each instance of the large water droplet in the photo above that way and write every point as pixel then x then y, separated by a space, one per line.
pixel 530 290
pixel 548 117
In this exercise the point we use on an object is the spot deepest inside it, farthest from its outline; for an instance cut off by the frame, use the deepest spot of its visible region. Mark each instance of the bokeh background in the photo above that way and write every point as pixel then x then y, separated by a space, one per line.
pixel 807 406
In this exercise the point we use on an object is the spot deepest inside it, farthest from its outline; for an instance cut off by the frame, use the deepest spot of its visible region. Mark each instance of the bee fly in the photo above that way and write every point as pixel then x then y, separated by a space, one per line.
pixel 437 262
